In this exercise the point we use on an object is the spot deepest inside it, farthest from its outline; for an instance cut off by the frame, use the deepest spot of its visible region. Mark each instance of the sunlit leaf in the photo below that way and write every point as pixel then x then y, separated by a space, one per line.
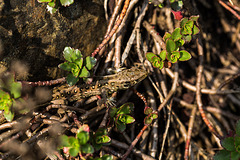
pixel 170 46
pixel 65 66
pixel 90 62
pixel 184 55
pixel 41 1
pixel 148 120
pixel 84 72
pixel 74 151
pixel 15 89
pixel 107 157
pixel 183 21
pixel 126 108
pixel 8 115
pixel 150 56
pixel 194 18
pixel 176 35
pixel 67 53
pixel 66 2
pixel 166 36
pixel 103 139
pixel 195 30
pixel 79 63
pixel 83 137
pixel 163 55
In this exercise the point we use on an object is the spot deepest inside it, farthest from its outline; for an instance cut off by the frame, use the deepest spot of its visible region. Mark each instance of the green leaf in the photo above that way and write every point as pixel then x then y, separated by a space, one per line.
pixel 174 56
pixel 65 66
pixel 148 120
pixel 113 111
pixel 179 43
pixel 15 89
pixel 238 128
pixel 66 2
pixel 52 4
pixel 154 115
pixel 121 126
pixel 83 137
pixel 170 46
pixel 184 55
pixel 222 155
pixel 148 110
pixel 76 54
pixel 166 36
pixel 235 155
pixel 83 127
pixel 126 108
pixel 84 73
pixel 107 157
pixel 157 62
pixel 87 148
pixel 150 56
pixel 71 80
pixel 183 21
pixel 195 30
pixel 52 10
pixel 176 35
pixel 74 151
pixel 163 55
pixel 237 143
pixel 90 62
pixel 67 53
pixel 187 38
pixel 64 141
pixel 194 18
pixel 103 139
pixel 73 142
pixel 8 115
pixel 129 119
pixel 41 1
pixel 5 100
pixel 79 63
pixel 228 143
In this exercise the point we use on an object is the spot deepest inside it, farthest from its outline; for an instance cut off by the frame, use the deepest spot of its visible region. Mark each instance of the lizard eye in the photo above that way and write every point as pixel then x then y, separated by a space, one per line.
pixel 126 85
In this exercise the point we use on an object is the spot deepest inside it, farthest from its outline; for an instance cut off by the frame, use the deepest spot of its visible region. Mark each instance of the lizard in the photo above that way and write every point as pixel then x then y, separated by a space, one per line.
pixel 107 84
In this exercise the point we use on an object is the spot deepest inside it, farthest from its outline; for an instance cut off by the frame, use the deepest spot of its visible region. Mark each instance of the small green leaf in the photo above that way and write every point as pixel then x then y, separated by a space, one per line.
pixel 157 62
pixel 187 38
pixel 83 137
pixel 76 54
pixel 103 139
pixel 74 151
pixel 50 9
pixel 238 128
pixel 113 111
pixel 87 148
pixel 84 72
pixel 184 55
pixel 41 1
pixel 129 119
pixel 65 66
pixel 150 56
pixel 154 115
pixel 79 63
pixel 71 80
pixel 52 4
pixel 179 43
pixel 170 46
pixel 183 21
pixel 228 143
pixel 126 108
pixel 222 155
pixel 173 57
pixel 73 142
pixel 237 143
pixel 148 110
pixel 194 18
pixel 8 115
pixel 235 155
pixel 66 2
pixel 15 89
pixel 195 30
pixel 176 35
pixel 107 157
pixel 121 126
pixel 148 120
pixel 163 55
pixel 67 53
pixel 74 69
pixel 90 62
pixel 64 141
pixel 166 36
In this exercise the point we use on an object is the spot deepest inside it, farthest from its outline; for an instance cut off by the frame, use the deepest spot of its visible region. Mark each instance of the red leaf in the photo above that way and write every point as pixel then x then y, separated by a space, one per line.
pixel 177 15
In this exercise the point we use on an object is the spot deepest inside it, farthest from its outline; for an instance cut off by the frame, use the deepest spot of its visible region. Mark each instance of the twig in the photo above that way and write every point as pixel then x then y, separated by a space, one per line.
pixel 190 126
pixel 198 88
pixel 229 9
